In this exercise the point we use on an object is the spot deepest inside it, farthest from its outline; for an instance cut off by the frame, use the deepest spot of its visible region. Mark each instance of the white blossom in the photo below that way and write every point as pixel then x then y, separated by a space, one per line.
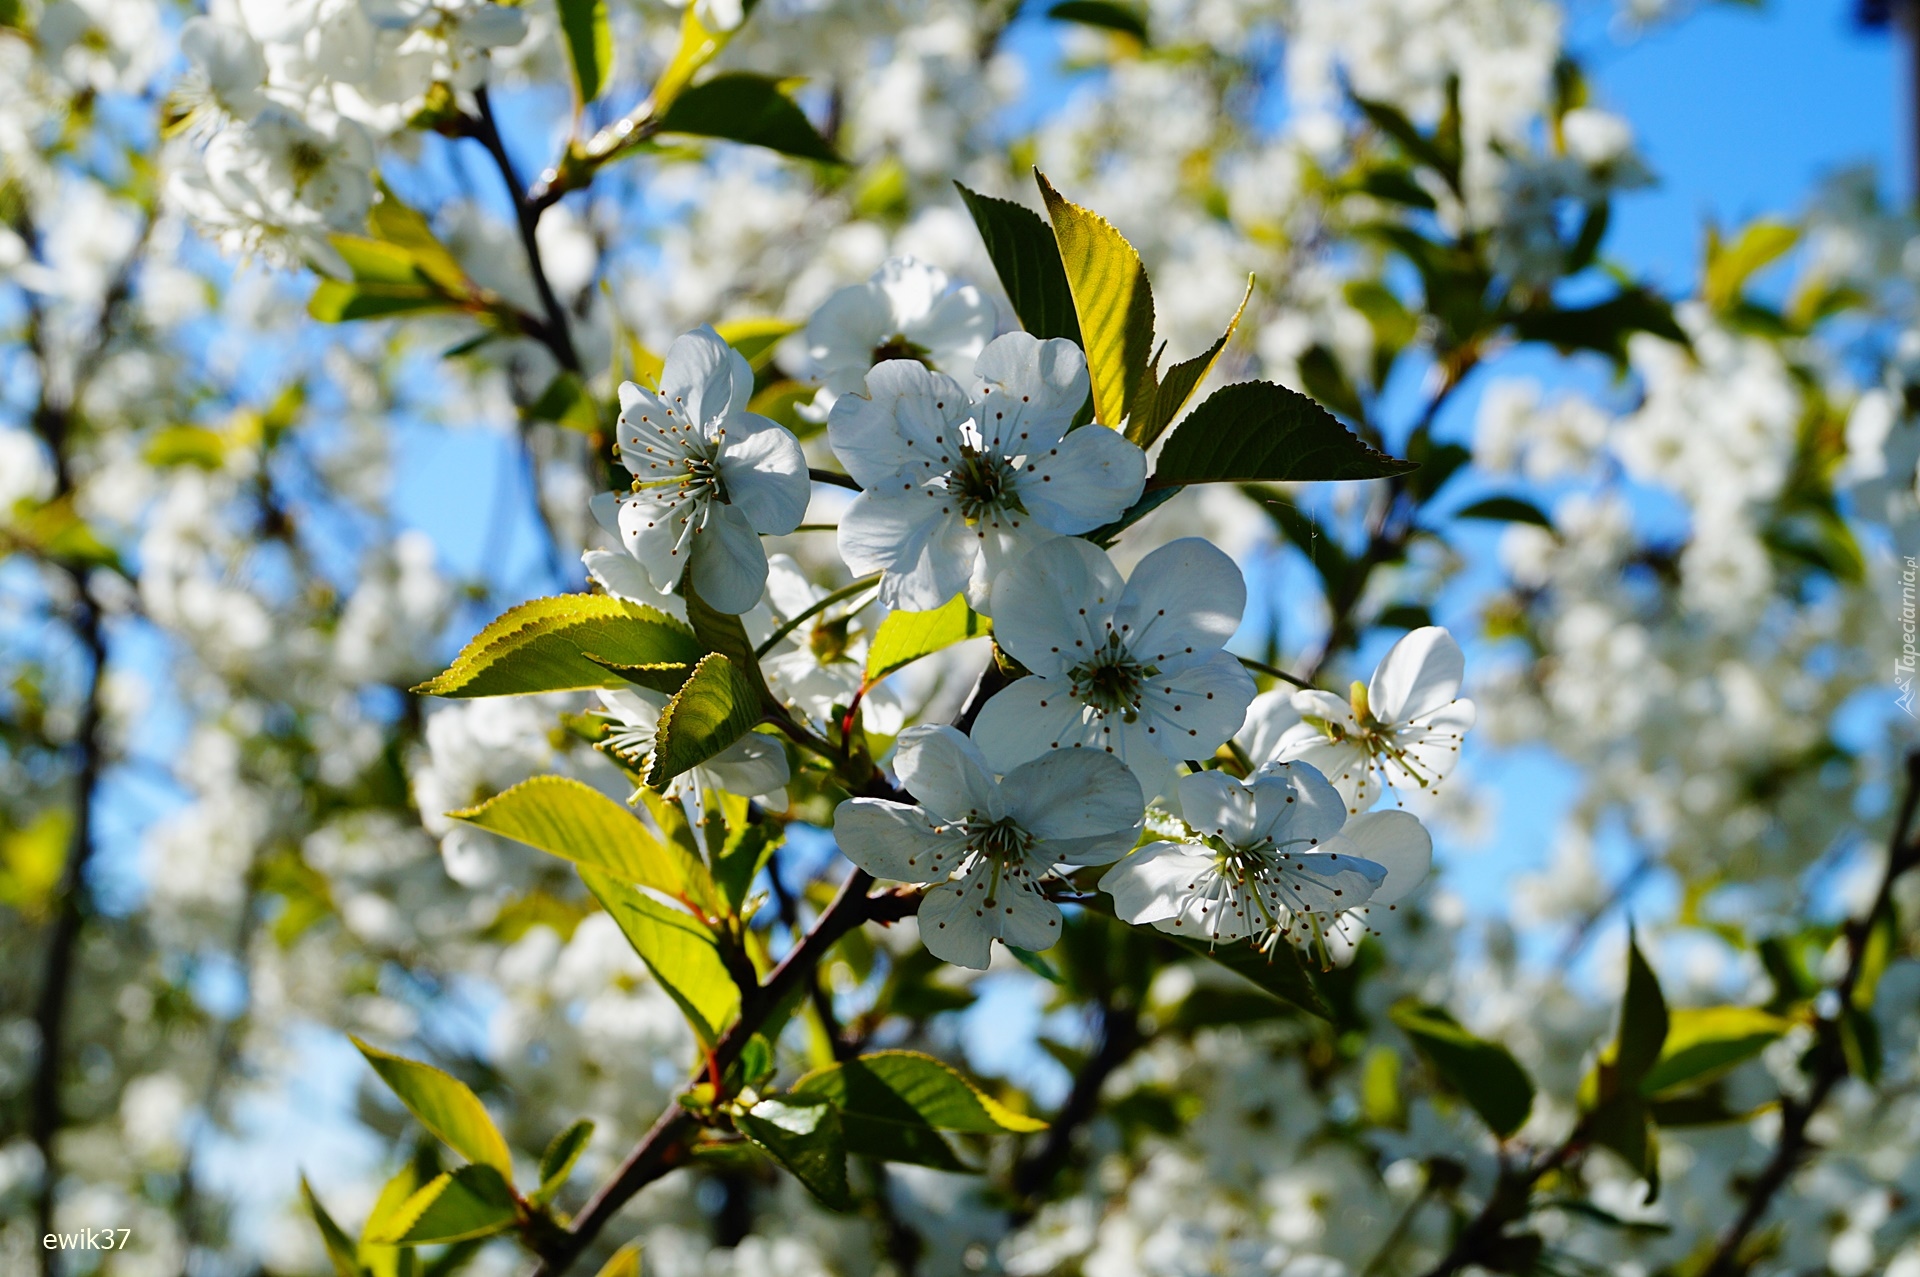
pixel 956 491
pixel 709 476
pixel 984 835
pixel 1132 668
pixel 908 310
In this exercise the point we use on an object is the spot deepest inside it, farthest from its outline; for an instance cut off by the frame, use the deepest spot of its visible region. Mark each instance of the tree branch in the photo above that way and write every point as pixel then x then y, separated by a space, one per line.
pixel 1831 1058
pixel 557 336
pixel 670 1141
pixel 1120 1037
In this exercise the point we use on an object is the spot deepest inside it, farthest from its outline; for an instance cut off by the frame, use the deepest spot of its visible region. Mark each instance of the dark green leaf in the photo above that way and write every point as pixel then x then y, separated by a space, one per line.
pixel 1257 432
pixel 1397 185
pixel 741 107
pixel 1604 327
pixel 1623 1125
pixel 1027 260
pixel 1593 229
pixel 1162 399
pixel 1278 973
pixel 589 46
pixel 1506 510
pixel 1104 14
pixel 341 1251
pixel 1420 148
pixel 806 1138
pixel 1643 1020
pixel 1036 963
pixel 1326 381
pixel 1483 1072
pixel 888 1084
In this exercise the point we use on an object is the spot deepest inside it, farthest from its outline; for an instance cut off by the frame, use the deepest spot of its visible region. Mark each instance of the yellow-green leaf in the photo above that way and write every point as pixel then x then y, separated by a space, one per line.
pixel 1163 398
pixel 677 948
pixel 755 339
pixel 1112 299
pixel 472 1201
pixel 698 46
pixel 1729 266
pixel 545 646
pixel 715 707
pixel 888 1082
pixel 625 1262
pixel 576 822
pixel 445 1105
pixel 905 637
pixel 395 223
pixel 561 1154
pixel 32 859
pixel 1702 1043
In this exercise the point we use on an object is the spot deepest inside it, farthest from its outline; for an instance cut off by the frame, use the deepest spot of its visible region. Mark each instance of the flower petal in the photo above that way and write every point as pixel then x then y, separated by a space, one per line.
pixel 1268 717
pixel 1398 843
pixel 944 770
pixel 895 841
pixel 1421 673
pixel 651 529
pixel 905 431
pixel 729 563
pixel 952 929
pixel 1195 706
pixel 1075 794
pixel 1295 805
pixel 1217 805
pixel 842 333
pixel 910 287
pixel 1003 539
pixel 1152 883
pixel 1185 597
pixel 1327 880
pixel 702 378
pixel 753 765
pixel 765 474
pixel 1027 719
pixel 1028 392
pixel 1010 909
pixel 1052 607
pixel 1087 479
pixel 1345 765
pixel 955 330
pixel 926 550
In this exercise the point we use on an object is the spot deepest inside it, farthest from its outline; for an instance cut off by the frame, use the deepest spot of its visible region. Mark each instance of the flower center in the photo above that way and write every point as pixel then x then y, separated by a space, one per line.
pixel 696 474
pixel 1000 841
pixel 1111 680
pixel 828 642
pixel 983 484
pixel 898 347
pixel 306 158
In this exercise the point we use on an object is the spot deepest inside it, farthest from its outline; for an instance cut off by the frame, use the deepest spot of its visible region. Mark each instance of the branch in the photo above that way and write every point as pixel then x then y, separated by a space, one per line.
pixel 555 333
pixel 1831 1059
pixel 670 1141
pixel 1120 1037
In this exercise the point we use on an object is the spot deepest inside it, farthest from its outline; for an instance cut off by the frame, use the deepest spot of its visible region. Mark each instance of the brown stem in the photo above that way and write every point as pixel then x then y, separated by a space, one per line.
pixel 670 1141
pixel 555 333
pixel 1830 1058
pixel 1120 1037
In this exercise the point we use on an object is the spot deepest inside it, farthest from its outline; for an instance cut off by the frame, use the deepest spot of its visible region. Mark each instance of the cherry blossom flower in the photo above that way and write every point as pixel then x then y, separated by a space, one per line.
pixel 985 840
pixel 709 476
pixel 1402 731
pixel 954 492
pixel 1133 668
pixel 823 663
pixel 908 310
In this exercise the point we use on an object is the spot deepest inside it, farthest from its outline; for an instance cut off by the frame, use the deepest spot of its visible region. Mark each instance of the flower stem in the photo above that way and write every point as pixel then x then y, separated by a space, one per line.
pixel 844 592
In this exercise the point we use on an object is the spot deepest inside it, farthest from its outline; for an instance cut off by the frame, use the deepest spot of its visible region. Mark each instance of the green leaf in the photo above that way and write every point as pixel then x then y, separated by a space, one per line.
pixel 187 446
pixel 1257 432
pixel 1430 151
pixel 557 1162
pixel 1104 14
pixel 1604 326
pixel 1624 1125
pixel 744 854
pixel 576 822
pixel 741 107
pixel 566 402
pixel 473 1201
pixel 1112 298
pixel 445 1105
pixel 1506 510
pixel 341 1251
pixel 934 1089
pixel 589 46
pixel 393 222
pixel 1729 266
pixel 1277 973
pixel 387 1261
pixel 337 301
pixel 1164 398
pixel 1027 260
pixel 544 646
pixel 714 708
pixel 1643 1020
pixel 1484 1073
pixel 905 637
pixel 893 1104
pixel 1036 963
pixel 678 949
pixel 723 632
pixel 1702 1043
pixel 807 1140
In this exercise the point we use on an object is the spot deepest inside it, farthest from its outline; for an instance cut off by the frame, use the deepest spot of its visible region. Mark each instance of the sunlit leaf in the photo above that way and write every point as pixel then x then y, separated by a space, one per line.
pixel 905 637
pixel 1112 299
pixel 1027 259
pixel 589 39
pixel 806 1139
pixel 678 949
pixel 576 822
pixel 445 1105
pixel 472 1201
pixel 1702 1043
pixel 546 646
pixel 715 707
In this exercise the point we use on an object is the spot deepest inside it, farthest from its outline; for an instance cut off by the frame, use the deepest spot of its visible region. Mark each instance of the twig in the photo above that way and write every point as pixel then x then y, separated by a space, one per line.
pixel 1120 1037
pixel 833 477
pixel 1831 1059
pixel 844 592
pixel 1273 671
pixel 556 335
pixel 670 1140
